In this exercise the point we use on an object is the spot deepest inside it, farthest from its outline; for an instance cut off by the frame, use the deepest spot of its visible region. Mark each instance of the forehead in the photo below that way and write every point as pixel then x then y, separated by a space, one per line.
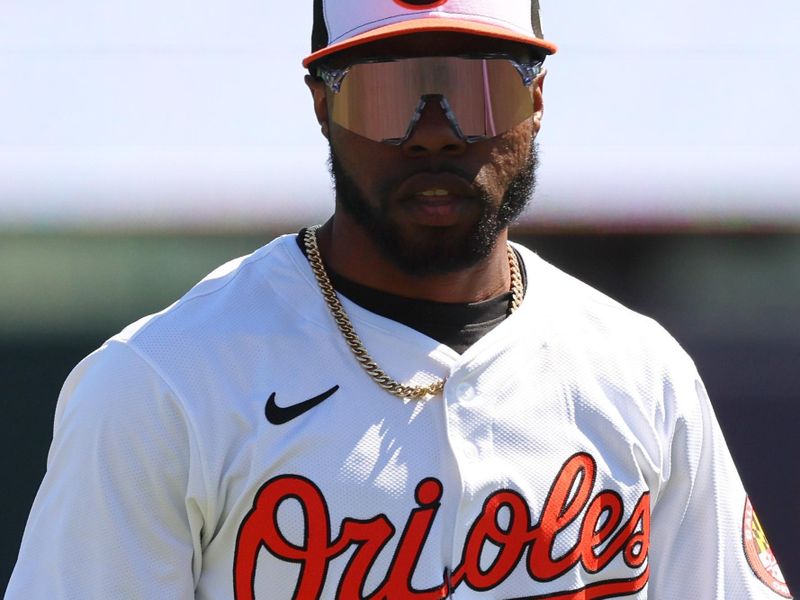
pixel 433 44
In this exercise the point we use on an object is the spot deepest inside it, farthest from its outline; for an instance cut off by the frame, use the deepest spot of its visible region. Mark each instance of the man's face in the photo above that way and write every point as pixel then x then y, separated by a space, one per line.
pixel 436 203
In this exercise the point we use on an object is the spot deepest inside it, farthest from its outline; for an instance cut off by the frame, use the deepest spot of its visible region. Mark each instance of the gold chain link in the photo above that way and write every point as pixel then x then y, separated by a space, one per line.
pixel 377 374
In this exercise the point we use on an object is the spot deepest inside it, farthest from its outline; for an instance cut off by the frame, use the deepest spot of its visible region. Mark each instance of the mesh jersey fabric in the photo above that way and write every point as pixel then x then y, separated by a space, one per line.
pixel 573 451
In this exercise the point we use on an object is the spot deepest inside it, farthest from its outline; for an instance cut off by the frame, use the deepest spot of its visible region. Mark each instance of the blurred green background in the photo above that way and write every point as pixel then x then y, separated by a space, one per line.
pixel 731 298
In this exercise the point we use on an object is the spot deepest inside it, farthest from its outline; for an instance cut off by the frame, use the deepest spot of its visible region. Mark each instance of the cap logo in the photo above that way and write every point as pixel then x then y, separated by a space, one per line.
pixel 420 4
pixel 343 24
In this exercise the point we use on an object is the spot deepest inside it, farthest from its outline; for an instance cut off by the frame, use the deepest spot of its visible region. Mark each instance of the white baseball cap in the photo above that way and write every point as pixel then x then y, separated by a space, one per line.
pixel 343 24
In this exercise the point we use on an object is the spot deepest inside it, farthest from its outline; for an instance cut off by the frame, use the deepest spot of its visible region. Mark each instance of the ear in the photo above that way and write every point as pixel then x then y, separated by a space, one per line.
pixel 538 101
pixel 319 96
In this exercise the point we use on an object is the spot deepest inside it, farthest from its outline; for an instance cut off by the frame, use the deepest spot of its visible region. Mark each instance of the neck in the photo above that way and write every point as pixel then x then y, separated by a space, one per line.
pixel 349 250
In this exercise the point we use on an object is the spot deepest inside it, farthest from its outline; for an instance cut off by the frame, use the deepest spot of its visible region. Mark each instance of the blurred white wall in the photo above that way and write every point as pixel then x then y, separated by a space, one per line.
pixel 176 113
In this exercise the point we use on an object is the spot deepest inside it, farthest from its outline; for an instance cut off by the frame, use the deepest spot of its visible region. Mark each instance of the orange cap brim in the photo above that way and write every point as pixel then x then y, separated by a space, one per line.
pixel 431 24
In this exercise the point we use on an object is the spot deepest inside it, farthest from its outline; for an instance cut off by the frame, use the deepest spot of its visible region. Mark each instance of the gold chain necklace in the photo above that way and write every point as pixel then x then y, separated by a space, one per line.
pixel 377 374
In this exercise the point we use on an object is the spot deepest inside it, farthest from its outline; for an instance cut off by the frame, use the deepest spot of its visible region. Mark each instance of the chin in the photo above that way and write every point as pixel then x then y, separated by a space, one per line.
pixel 424 250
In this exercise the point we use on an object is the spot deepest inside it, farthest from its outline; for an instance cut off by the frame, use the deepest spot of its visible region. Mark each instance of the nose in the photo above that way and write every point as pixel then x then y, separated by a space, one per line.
pixel 434 133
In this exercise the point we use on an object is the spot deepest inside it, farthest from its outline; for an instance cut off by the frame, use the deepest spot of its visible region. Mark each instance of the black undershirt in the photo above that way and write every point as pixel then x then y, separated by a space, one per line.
pixel 457 325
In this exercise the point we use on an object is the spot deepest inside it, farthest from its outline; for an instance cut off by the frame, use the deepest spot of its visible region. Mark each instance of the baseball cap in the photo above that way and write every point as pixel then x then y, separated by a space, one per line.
pixel 343 24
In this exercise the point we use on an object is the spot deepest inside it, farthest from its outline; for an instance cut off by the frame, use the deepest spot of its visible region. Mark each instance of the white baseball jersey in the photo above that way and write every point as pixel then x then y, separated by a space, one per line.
pixel 230 447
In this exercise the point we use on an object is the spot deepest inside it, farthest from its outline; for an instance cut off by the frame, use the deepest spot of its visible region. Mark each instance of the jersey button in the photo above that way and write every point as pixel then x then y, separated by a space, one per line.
pixel 465 391
pixel 470 452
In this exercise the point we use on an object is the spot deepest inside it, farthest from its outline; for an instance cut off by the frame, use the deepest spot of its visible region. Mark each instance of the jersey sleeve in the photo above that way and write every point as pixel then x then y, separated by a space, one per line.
pixel 114 516
pixel 701 539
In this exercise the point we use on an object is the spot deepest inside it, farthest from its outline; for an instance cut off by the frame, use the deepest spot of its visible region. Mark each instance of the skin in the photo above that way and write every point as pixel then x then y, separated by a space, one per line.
pixel 384 172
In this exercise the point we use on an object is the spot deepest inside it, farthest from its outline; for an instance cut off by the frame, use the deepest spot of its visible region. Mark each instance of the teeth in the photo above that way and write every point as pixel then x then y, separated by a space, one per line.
pixel 437 192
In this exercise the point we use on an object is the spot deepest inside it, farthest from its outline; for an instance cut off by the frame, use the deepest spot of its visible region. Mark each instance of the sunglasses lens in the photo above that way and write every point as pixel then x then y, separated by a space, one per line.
pixel 380 101
pixel 377 100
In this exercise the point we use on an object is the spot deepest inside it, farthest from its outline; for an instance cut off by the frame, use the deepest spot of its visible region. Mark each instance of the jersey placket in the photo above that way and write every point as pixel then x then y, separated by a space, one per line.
pixel 470 439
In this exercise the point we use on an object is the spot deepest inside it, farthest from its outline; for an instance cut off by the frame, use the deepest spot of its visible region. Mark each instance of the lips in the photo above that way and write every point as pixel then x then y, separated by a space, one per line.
pixel 436 186
pixel 436 199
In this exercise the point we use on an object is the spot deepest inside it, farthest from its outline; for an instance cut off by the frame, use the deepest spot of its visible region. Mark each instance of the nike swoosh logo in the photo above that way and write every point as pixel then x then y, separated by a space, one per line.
pixel 278 415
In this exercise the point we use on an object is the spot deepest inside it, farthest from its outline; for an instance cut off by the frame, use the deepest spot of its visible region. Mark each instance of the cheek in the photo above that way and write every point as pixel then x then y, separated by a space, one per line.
pixel 509 155
pixel 363 159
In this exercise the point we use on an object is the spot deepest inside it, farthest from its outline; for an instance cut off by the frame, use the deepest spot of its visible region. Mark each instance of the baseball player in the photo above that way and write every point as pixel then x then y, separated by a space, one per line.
pixel 399 404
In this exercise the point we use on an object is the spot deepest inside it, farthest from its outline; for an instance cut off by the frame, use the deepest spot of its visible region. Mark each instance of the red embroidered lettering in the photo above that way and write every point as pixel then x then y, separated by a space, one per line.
pixel 559 511
pixel 260 529
pixel 503 527
pixel 511 540
pixel 397 584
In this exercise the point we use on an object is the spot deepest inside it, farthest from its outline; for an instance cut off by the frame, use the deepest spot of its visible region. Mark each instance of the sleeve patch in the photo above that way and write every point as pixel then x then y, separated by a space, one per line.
pixel 759 554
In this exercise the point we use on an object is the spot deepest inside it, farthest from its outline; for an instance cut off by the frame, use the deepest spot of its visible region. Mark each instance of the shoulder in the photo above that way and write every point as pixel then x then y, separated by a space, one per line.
pixel 220 328
pixel 112 406
pixel 576 305
pixel 254 296
pixel 596 334
pixel 266 276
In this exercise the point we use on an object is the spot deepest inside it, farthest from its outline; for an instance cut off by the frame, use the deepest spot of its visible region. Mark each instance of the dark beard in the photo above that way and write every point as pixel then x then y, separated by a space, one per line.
pixel 436 253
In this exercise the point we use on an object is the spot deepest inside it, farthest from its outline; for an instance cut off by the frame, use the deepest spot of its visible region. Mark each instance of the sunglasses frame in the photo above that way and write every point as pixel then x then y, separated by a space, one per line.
pixel 528 71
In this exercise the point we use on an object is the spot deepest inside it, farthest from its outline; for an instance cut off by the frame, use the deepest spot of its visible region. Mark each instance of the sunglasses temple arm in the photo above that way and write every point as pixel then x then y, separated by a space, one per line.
pixel 488 113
